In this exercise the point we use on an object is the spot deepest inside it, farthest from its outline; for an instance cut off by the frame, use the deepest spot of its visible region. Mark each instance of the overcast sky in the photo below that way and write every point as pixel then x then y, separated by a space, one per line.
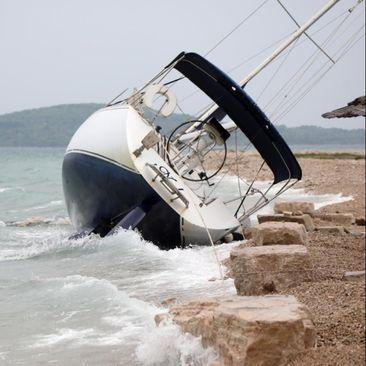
pixel 57 52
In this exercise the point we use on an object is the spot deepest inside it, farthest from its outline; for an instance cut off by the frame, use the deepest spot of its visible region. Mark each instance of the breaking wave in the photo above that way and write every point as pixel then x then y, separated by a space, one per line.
pixel 32 244
pixel 120 321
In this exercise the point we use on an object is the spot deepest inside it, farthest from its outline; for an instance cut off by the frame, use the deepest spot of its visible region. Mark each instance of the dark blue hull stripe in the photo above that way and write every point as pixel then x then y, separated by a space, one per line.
pixel 98 193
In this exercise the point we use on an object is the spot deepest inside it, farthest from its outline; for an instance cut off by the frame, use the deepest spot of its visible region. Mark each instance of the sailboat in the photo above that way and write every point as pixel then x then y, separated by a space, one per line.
pixel 121 170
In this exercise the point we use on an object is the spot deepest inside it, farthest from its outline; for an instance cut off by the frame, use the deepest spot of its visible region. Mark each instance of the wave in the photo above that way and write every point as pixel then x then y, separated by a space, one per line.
pixel 46 205
pixel 6 189
pixel 118 320
pixel 40 243
pixel 174 347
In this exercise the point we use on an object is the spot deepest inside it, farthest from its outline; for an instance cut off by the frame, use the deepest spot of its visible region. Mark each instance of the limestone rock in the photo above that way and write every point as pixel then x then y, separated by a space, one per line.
pixel 335 230
pixel 159 318
pixel 249 331
pixel 270 233
pixel 356 234
pixel 354 276
pixel 344 219
pixel 271 268
pixel 304 219
pixel 303 207
pixel 248 232
pixel 169 302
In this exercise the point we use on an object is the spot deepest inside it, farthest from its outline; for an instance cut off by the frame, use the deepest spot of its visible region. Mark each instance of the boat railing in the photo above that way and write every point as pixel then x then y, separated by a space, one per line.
pixel 168 185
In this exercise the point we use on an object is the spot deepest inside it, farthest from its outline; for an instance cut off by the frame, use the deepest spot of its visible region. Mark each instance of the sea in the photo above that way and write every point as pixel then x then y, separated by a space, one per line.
pixel 92 301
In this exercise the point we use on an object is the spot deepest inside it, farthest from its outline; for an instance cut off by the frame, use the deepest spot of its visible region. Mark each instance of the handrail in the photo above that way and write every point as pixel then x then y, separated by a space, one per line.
pixel 168 185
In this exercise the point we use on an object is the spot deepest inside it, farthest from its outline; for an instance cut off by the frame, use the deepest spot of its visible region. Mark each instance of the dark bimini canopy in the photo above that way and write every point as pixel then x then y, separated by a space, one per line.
pixel 244 112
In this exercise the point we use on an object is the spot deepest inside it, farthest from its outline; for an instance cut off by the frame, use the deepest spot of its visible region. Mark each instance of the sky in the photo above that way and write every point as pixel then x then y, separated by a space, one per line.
pixel 58 52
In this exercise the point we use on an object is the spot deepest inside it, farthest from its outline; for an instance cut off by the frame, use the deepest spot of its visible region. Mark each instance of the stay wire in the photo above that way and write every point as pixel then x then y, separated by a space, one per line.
pixel 292 83
pixel 276 71
pixel 306 33
pixel 293 99
pixel 236 27
pixel 297 76
pixel 321 76
pixel 237 66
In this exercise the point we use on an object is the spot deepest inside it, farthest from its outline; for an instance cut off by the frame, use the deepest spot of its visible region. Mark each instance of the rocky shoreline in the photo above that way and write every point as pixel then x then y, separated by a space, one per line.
pixel 311 270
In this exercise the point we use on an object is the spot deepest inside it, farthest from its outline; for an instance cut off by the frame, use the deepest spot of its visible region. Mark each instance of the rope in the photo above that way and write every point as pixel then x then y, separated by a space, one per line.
pixel 237 162
pixel 211 241
pixel 236 27
pixel 204 224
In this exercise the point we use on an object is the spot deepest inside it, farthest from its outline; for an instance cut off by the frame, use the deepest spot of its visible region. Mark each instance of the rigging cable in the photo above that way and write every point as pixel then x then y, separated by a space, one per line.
pixel 293 81
pixel 297 76
pixel 276 72
pixel 300 88
pixel 250 58
pixel 346 48
pixel 285 37
pixel 306 33
pixel 236 27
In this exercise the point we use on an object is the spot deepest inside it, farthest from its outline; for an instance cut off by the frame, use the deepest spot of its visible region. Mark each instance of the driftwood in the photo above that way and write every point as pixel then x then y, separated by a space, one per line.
pixel 356 108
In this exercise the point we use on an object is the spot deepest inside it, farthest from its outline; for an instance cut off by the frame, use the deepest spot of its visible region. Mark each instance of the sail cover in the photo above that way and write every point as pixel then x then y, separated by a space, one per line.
pixel 232 100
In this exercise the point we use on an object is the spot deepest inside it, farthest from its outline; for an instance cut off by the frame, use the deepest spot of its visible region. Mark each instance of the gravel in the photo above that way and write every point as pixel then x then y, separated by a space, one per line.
pixel 338 306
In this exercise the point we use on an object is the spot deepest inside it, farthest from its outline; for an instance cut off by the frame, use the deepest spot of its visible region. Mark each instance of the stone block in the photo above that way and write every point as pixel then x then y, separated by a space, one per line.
pixel 343 219
pixel 354 276
pixel 303 219
pixel 251 331
pixel 293 206
pixel 270 233
pixel 248 232
pixel 271 268
pixel 333 230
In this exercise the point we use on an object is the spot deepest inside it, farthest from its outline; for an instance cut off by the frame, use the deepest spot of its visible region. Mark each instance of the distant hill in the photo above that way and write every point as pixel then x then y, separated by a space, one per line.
pixel 54 126
pixel 49 126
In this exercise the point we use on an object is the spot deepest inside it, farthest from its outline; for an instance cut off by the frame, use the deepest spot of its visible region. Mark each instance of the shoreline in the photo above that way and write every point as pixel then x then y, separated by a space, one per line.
pixel 337 306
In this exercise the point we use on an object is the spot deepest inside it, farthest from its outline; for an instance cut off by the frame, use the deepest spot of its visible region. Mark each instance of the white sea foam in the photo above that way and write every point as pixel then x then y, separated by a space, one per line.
pixel 46 205
pixel 39 243
pixel 3 355
pixel 167 345
pixel 63 335
pixel 106 292
pixel 81 337
pixel 6 189
pixel 127 317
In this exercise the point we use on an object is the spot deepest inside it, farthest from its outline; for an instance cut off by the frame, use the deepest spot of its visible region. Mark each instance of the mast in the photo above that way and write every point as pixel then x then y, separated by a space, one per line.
pixel 280 49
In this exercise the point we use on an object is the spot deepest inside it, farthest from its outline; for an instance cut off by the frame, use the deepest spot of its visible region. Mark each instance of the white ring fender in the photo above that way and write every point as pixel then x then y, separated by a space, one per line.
pixel 170 103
